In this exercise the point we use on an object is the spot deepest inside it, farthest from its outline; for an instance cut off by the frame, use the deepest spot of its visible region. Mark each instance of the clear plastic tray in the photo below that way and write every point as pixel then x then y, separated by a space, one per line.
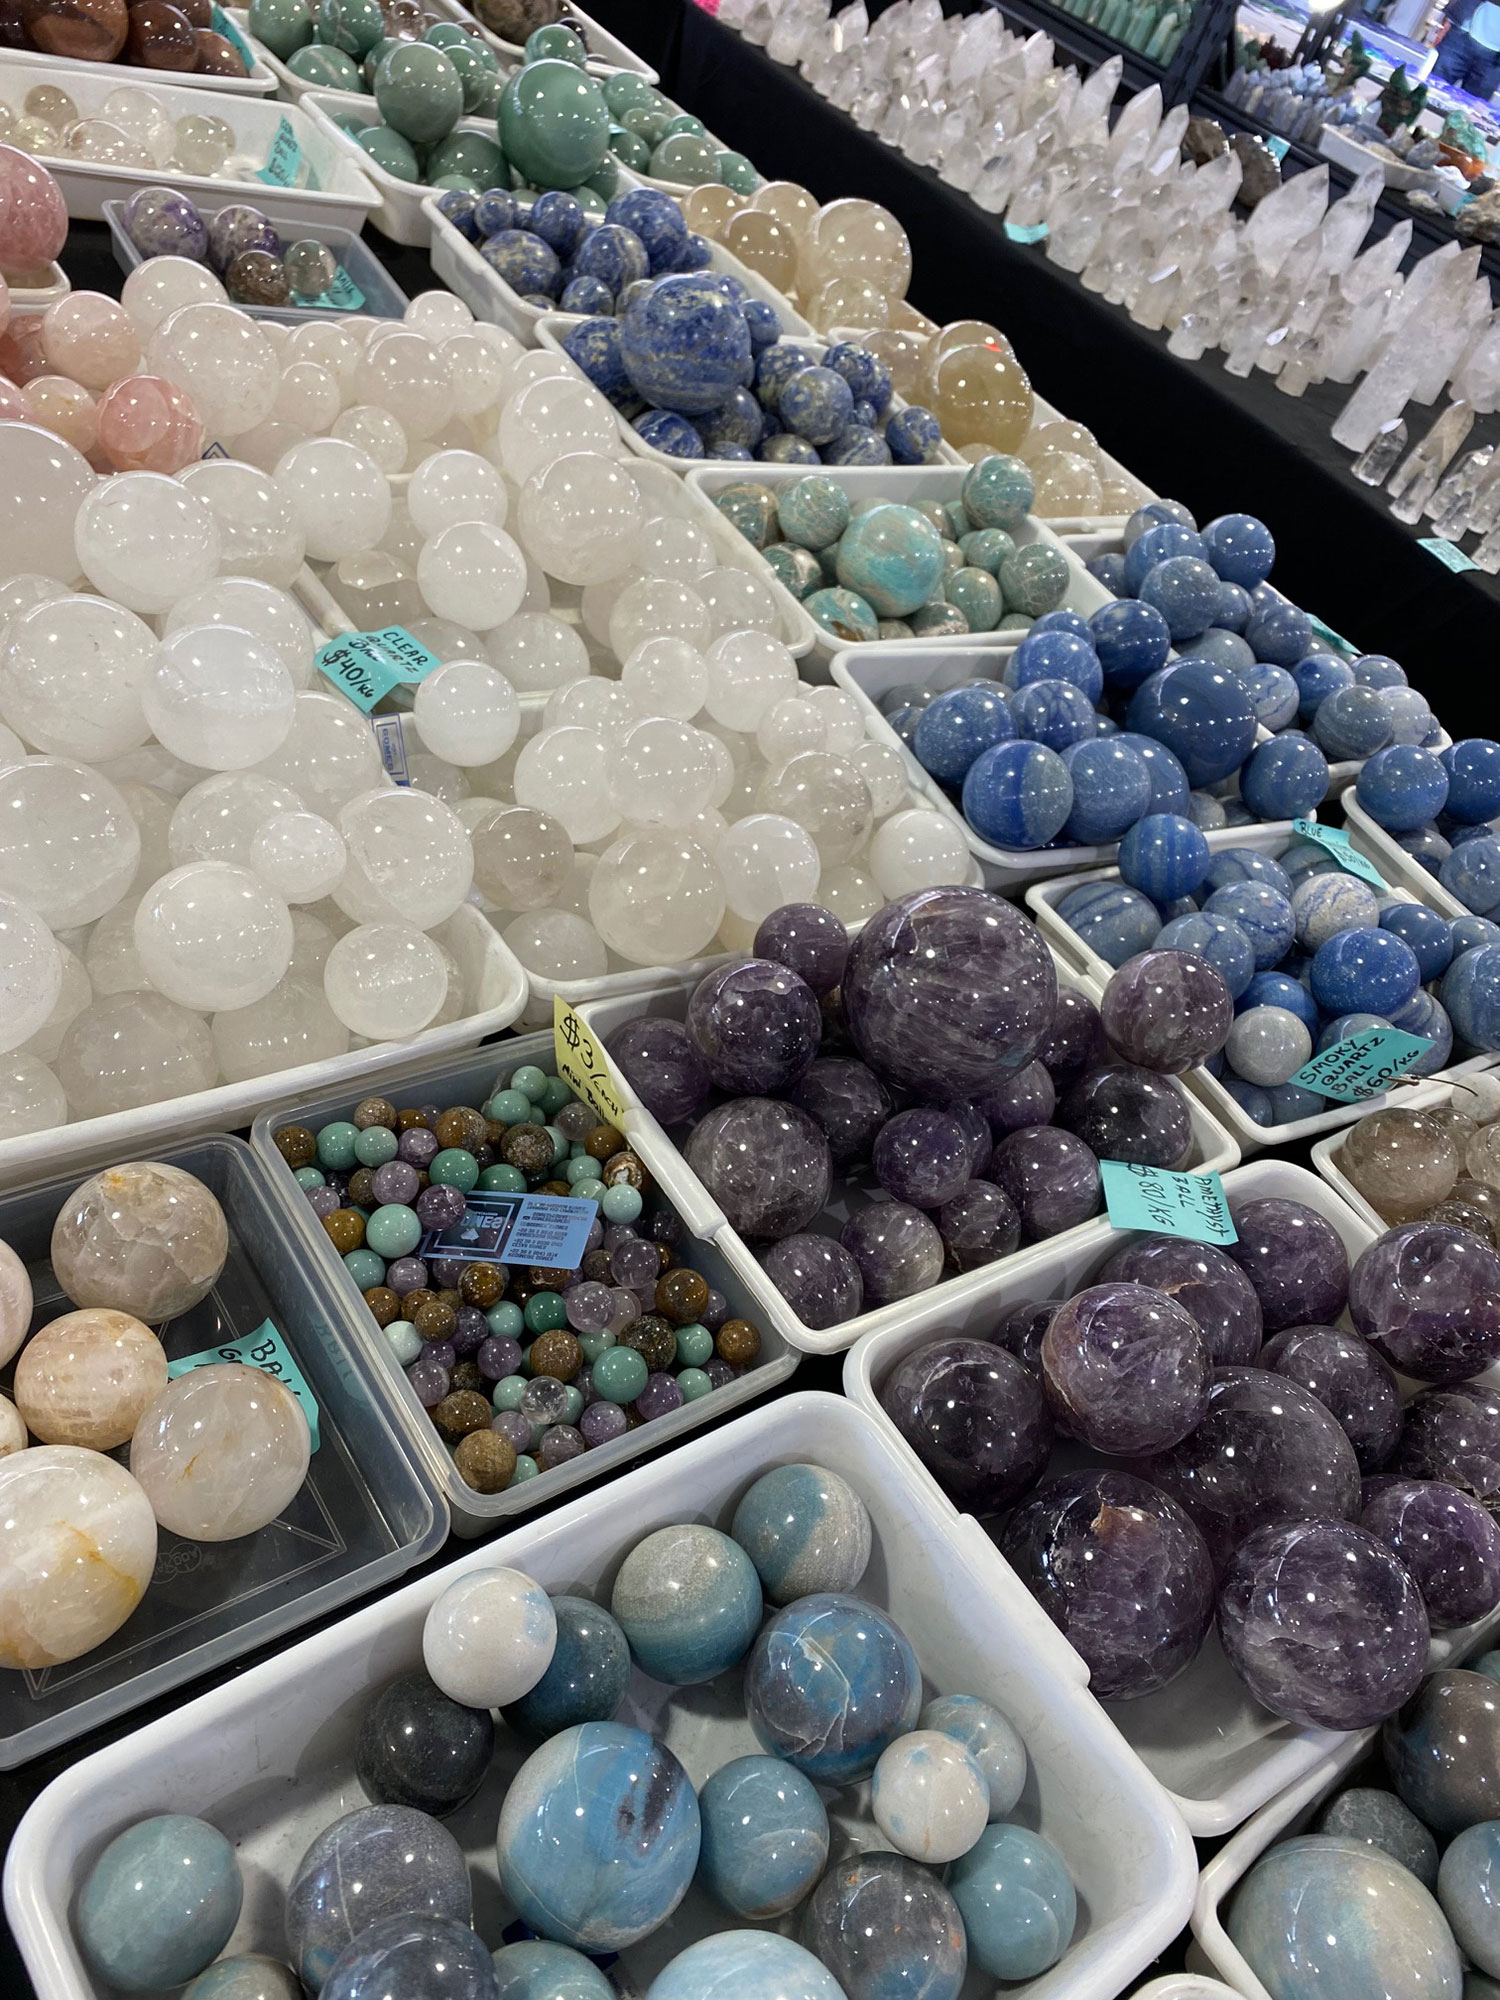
pixel 368 1511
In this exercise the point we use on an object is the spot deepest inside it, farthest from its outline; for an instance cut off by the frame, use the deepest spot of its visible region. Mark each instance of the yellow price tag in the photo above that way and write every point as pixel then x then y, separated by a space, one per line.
pixel 581 1064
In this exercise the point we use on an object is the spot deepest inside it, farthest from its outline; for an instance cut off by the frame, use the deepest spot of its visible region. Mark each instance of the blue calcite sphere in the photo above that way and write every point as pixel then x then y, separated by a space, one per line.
pixel 1167 1010
pixel 1125 1370
pixel 1443 1750
pixel 975 1417
pixel 419 1957
pixel 1445 1538
pixel 765 1837
pixel 159 1903
pixel 1075 1040
pixel 1295 1260
pixel 1121 1571
pixel 661 1063
pixel 1379 1819
pixel 598 1837
pixel 817 1277
pixel 688 1600
pixel 886 1925
pixel 1201 714
pixel 382 1861
pixel 745 1965
pixel 1469 1891
pixel 686 346
pixel 1323 1919
pixel 1123 1112
pixel 922 1156
pixel 1205 1283
pixel 1017 1901
pixel 588 1676
pixel 418 1748
pixel 1323 1624
pixel 1052 1178
pixel 831 1681
pixel 1349 1379
pixel 537 1969
pixel 756 1025
pixel 1427 1297
pixel 1266 1451
pixel 764 1162
pixel 809 941
pixel 1018 794
pixel 806 1530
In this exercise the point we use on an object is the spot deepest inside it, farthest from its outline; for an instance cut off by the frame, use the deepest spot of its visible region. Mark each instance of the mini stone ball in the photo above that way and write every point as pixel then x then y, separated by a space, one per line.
pixel 160 1903
pixel 929 1797
pixel 418 1748
pixel 806 1530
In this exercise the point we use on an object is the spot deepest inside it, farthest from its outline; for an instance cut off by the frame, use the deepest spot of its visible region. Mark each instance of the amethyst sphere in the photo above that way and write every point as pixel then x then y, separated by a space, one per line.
pixel 1427 1297
pixel 756 1025
pixel 817 1277
pixel 897 1248
pixel 975 1128
pixel 1446 1539
pixel 1349 1379
pixel 850 1103
pixel 975 1417
pixel 808 940
pixel 1121 1571
pixel 1323 1624
pixel 765 1163
pixel 1205 1283
pixel 949 988
pixel 978 1226
pixel 1027 1098
pixel 1075 1040
pixel 657 1059
pixel 922 1156
pixel 1266 1452
pixel 1295 1260
pixel 1167 1010
pixel 1023 1329
pixel 1453 1434
pixel 1125 1370
pixel 1123 1112
pixel 1051 1176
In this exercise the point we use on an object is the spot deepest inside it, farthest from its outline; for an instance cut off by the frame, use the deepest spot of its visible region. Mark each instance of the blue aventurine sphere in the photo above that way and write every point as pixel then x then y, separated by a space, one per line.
pixel 1240 548
pixel 1132 641
pixel 1062 620
pixel 1286 778
pixel 1473 767
pixel 1109 569
pixel 1468 933
pixel 1226 649
pixel 1217 939
pixel 1018 795
pixel 1281 634
pixel 1164 856
pixel 1201 714
pixel 1364 971
pixel 1114 921
pixel 1184 590
pixel 1111 789
pixel 1403 787
pixel 1157 545
pixel 958 727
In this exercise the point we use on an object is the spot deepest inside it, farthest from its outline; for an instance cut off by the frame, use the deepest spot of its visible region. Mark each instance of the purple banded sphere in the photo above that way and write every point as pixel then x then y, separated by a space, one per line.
pixel 765 1163
pixel 1453 1434
pixel 1122 1573
pixel 395 1184
pixel 1167 1011
pixel 1027 1098
pixel 975 1417
pixel 1125 1370
pixel 1075 1040
pixel 756 1025
pixel 1051 1176
pixel 1123 1112
pixel 848 1102
pixel 1202 1280
pixel 1265 1452
pixel 897 1248
pixel 1349 1379
pixel 817 1277
pixel 1427 1297
pixel 1323 1624
pixel 808 940
pixel 975 1128
pixel 949 988
pixel 659 1061
pixel 1296 1261
pixel 1445 1538
pixel 978 1226
pixel 922 1157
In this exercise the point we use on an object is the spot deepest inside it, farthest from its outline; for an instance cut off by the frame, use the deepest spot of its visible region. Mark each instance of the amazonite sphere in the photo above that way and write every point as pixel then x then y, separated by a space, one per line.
pixel 419 92
pixel 554 124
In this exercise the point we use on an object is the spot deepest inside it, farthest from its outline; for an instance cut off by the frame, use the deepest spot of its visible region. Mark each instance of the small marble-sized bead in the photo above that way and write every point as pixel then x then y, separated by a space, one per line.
pixel 765 1837
pixel 1379 1819
pixel 805 1529
pixel 160 1903
pixel 489 1638
pixel 1468 1888
pixel 250 1976
pixel 688 1600
pixel 929 1797
pixel 1017 1901
pixel 537 1969
pixel 990 1740
pixel 745 1965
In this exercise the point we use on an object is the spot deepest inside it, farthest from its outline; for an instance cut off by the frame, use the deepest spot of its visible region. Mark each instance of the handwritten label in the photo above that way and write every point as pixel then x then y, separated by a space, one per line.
pixel 1026 232
pixel 367 665
pixel 1448 553
pixel 1363 1066
pixel 391 738
pixel 1190 1205
pixel 284 161
pixel 343 295
pixel 545 1229
pixel 221 24
pixel 582 1066
pixel 266 1350
pixel 1333 840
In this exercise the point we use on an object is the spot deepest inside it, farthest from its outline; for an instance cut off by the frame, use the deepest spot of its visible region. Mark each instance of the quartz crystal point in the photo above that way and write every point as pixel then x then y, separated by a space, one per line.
pixel 1373 466
pixel 1415 481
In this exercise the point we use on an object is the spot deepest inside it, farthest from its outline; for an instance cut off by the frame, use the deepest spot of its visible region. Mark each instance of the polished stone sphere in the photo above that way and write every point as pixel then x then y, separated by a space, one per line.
pixel 764 1162
pixel 744 1965
pixel 1379 1819
pixel 1453 1434
pixel 806 1530
pixel 1446 1539
pixel 1469 1892
pixel 1205 1282
pixel 418 1748
pixel 1017 1901
pixel 1126 1370
pixel 1295 1259
pixel 765 1837
pixel 1052 1178
pixel 663 1066
pixel 382 1861
pixel 756 1025
pixel 1200 713
pixel 1443 1750
pixel 1167 1011
pixel 685 345
pixel 829 1683
pixel 587 1678
pixel 975 1416
pixel 848 1102
pixel 1123 1112
pixel 420 1957
pixel 554 124
pixel 688 1600
pixel 1349 1378
pixel 817 1277
pixel 884 1924
pixel 159 1903
pixel 1427 1297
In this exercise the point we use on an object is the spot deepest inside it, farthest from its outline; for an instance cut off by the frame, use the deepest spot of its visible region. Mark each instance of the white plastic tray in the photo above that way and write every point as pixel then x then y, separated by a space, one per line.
pixel 967 1298
pixel 269 1757
pixel 259 83
pixel 1218 1753
pixel 607 51
pixel 396 210
pixel 1184 1986
pixel 1393 861
pixel 37 298
pixel 1325 1153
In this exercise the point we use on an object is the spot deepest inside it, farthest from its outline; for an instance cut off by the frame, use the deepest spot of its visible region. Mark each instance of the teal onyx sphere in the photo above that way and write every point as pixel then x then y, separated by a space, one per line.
pixel 419 92
pixel 892 556
pixel 554 124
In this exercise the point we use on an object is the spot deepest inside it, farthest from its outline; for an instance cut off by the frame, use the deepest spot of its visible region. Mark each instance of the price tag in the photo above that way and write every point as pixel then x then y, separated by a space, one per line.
pixel 545 1229
pixel 391 738
pixel 1335 639
pixel 1363 1066
pixel 409 653
pixel 1026 232
pixel 1190 1205
pixel 1449 554
pixel 343 295
pixel 221 24
pixel 1336 842
pixel 284 161
pixel 1276 146
pixel 266 1350
pixel 367 665
pixel 581 1064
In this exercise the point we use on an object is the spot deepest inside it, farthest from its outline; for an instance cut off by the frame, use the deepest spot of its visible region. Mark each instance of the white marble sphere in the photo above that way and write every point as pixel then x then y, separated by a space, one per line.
pixel 85 1378
pixel 489 1638
pixel 929 1797
pixel 12 1429
pixel 220 1452
pixel 15 1303
pixel 144 1238
pixel 78 1552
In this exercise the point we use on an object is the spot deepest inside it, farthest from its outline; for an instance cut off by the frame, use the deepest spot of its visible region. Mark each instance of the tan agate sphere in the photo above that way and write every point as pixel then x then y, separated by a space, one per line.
pixel 15 1303
pixel 221 1452
pixel 86 1378
pixel 764 243
pixel 981 397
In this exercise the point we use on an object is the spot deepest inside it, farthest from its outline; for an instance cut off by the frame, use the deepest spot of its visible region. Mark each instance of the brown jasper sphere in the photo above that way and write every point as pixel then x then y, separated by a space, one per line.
pixel 451 1299
pixel 528 1147
pixel 624 1170
pixel 482 1285
pixel 415 1299
pixel 737 1342
pixel 217 56
pixel 374 1111
pixel 346 1230
pixel 485 1460
pixel 682 1296
pixel 160 36
pixel 384 1304
pixel 555 1353
pixel 461 1127
pixel 603 1143
pixel 405 1120
pixel 81 30
pixel 462 1411
pixel 435 1320
pixel 562 1189
pixel 362 1188
pixel 541 1279
pixel 654 1339
pixel 296 1145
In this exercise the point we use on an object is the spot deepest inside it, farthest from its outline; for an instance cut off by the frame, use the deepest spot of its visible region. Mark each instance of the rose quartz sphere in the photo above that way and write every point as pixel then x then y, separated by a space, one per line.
pixel 148 424
pixel 33 215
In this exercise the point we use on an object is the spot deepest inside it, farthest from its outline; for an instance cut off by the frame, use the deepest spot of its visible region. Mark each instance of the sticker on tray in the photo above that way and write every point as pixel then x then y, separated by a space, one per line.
pixel 1025 232
pixel 284 161
pixel 367 665
pixel 581 1064
pixel 546 1229
pixel 221 24
pixel 266 1350
pixel 1336 842
pixel 1363 1065
pixel 391 738
pixel 1448 553
pixel 1190 1205
pixel 1335 639
pixel 343 295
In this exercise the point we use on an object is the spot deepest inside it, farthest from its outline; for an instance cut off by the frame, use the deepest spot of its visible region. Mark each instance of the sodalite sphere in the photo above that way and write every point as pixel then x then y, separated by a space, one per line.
pixel 884 1924
pixel 419 1957
pixel 830 1682
pixel 989 1739
pixel 598 1837
pixel 685 346
pixel 1379 1819
pixel 805 1530
pixel 765 1837
pixel 756 1025
pixel 1205 1282
pixel 1324 1919
pixel 1468 1889
pixel 688 1600
pixel 1427 1297
pixel 1017 1900
pixel 745 1965
pixel 159 1903
pixel 950 988
pixel 588 1677
pixel 537 1969
pixel 1018 795
pixel 382 1861
pixel 1201 714
pixel 1349 1378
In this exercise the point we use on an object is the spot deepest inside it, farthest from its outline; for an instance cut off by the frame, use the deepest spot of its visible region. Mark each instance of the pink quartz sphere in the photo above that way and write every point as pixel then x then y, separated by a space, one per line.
pixel 14 408
pixel 21 356
pixel 91 338
pixel 4 304
pixel 33 215
pixel 64 408
pixel 148 424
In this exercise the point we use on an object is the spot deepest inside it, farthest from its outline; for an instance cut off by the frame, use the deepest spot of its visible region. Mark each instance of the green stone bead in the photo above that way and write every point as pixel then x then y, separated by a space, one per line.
pixel 620 1375
pixel 503 1179
pixel 798 568
pixel 1015 621
pixel 419 92
pixel 485 54
pixel 647 123
pixel 393 1231
pixel 693 1383
pixel 455 1167
pixel 283 25
pixel 336 1144
pixel 375 1145
pixel 684 123
pixel 604 180
pixel 590 1188
pixel 354 26
pixel 365 1268
pixel 530 1081
pixel 958 522
pixel 406 1342
pixel 526 1468
pixel 388 149
pixel 738 173
pixel 554 124
pixel 977 595
pixel 545 1312
pixel 558 42
pixel 559 1144
pixel 695 1345
pixel 509 1107
pixel 446 34
pixel 573 1408
pixel 629 150
pixel 595 1344
pixel 555 1094
pixel 621 1203
pixel 352 123
pixel 471 156
pixel 591 202
pixel 506 1320
pixel 583 1168
pixel 508 1391
pixel 623 89
pixel 310 1177
pixel 328 68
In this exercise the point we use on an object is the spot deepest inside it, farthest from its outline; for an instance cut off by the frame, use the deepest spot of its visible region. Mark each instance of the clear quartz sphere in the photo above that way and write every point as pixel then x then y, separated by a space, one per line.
pixel 203 143
pixel 222 358
pixel 479 372
pixel 522 858
pixel 88 1539
pixel 308 397
pixel 217 819
pixel 73 995
pixel 557 945
pixel 917 850
pixel 882 770
pixel 789 726
pixel 300 854
pixel 579 517
pixel 841 717
pixel 546 420
pixel 68 843
pixel 824 793
pixel 565 772
pixel 111 962
pixel 153 291
pixel 292 1025
pixel 258 536
pixel 766 861
pixel 467 712
pixel 145 540
pixel 376 432
pixel 450 487
pixel 135 1048
pixel 438 314
pixel 329 756
pixel 473 573
pixel 43 484
pixel 338 496
pixel 69 677
pixel 211 935
pixel 655 607
pixel 409 859
pixel 221 1452
pixel 385 981
pixel 597 704
pixel 737 602
pixel 656 898
pixel 31 972
pixel 405 372
pixel 662 772
pixel 219 697
pixel 748 673
pixel 31 1098
pixel 669 547
pixel 269 614
pixel 24 592
pixel 665 677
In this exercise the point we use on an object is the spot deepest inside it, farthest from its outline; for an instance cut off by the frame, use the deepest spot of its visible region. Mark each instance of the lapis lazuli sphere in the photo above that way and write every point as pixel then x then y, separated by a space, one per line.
pixel 381 1861
pixel 537 1969
pixel 884 1924
pixel 1111 790
pixel 915 437
pixel 1164 856
pixel 1185 591
pixel 1471 993
pixel 656 219
pixel 745 1965
pixel 1364 972
pixel 805 1530
pixel 595 346
pixel 685 346
pixel 588 1676
pixel 419 1957
pixel 830 1682
pixel 159 1904
pixel 688 1601
pixel 1241 549
pixel 1018 795
pixel 1017 1901
pixel 765 1837
pixel 956 729
pixel 1132 641
pixel 1201 714
pixel 1403 787
pixel 598 1837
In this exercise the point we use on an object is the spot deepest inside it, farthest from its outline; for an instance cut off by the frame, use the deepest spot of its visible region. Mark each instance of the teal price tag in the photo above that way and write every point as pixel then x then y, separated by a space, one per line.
pixel 284 161
pixel 1334 639
pixel 1336 842
pixel 266 1350
pixel 1276 146
pixel 1449 554
pixel 1190 1205
pixel 367 665
pixel 221 24
pixel 1363 1066
pixel 1026 232
pixel 343 295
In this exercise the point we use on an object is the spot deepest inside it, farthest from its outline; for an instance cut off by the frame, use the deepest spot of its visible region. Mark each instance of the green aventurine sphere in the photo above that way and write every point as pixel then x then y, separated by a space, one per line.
pixel 738 173
pixel 388 149
pixel 328 68
pixel 354 26
pixel 554 124
pixel 472 156
pixel 559 42
pixel 283 25
pixel 419 92
pixel 685 159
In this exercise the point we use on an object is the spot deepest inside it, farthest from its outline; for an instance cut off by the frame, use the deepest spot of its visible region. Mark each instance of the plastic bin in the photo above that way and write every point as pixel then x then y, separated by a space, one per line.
pixel 966 1296
pixel 471 1081
pixel 1218 1753
pixel 1184 1986
pixel 37 298
pixel 1394 862
pixel 368 1511
pixel 397 208
pixel 269 1756
pixel 259 83
pixel 1325 1153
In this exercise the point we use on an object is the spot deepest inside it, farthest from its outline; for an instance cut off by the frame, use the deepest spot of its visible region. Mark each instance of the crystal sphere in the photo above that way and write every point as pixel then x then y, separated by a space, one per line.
pixel 472 573
pixel 142 1238
pixel 467 713
pixel 564 772
pixel 537 653
pixel 975 1417
pixel 1126 1370
pixel 221 1452
pixel 291 1026
pixel 31 972
pixel 271 615
pixel 665 677
pixel 31 1098
pixel 145 541
pixel 69 847
pixel 211 935
pixel 1349 1378
pixel 450 487
pixel 748 673
pixel 1296 1261
pixel 217 819
pixel 1445 1538
pixel 764 1162
pixel 1427 1298
pixel 84 1378
pixel 756 1025
pixel 43 484
pixel 258 536
pixel 404 372
pixel 219 698
pixel 385 981
pixel 336 495
pixel 548 419
pixel 329 756
pixel 88 1539
pixel 579 517
pixel 982 396
pixel 409 859
pixel 223 360
pixel 1206 1283
pixel 299 855
pixel 1167 1011
pixel 663 772
pixel 656 898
